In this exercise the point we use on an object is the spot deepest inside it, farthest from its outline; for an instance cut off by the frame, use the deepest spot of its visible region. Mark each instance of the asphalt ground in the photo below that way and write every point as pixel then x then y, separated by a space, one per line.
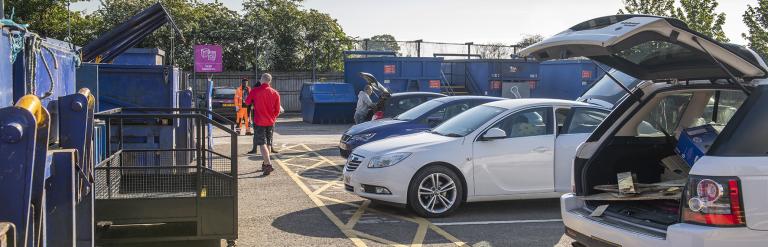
pixel 303 203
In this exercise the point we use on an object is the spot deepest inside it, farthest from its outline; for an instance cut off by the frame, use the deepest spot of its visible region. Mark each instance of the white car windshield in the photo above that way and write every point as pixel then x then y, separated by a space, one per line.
pixel 468 121
pixel 419 110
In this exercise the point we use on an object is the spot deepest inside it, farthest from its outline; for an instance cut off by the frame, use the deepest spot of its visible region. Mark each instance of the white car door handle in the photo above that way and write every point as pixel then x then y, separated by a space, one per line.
pixel 541 149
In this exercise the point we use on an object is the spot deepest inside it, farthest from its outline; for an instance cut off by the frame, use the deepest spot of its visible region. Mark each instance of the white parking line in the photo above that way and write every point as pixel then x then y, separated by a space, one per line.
pixel 494 222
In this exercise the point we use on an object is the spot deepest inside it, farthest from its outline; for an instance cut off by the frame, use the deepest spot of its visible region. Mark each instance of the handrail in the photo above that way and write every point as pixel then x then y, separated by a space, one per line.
pixel 214 114
pixel 473 87
pixel 166 115
pixel 447 84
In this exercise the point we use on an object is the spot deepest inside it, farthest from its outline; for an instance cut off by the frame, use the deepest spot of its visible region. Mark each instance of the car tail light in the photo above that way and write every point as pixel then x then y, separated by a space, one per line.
pixel 714 201
pixel 378 115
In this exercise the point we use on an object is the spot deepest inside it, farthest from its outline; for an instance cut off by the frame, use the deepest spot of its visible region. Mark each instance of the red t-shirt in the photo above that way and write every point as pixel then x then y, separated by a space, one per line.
pixel 266 105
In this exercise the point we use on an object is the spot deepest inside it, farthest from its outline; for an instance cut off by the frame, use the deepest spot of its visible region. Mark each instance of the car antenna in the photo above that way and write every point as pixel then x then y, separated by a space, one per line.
pixel 726 70
pixel 635 96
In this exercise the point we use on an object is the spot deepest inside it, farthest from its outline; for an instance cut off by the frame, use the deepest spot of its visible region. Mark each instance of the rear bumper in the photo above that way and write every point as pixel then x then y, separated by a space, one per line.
pixel 600 232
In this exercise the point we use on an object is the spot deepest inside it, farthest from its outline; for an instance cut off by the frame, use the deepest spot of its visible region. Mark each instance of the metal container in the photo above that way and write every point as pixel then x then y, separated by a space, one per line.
pixel 117 85
pixel 328 103
pixel 566 79
pixel 398 74
pixel 141 56
pixel 486 76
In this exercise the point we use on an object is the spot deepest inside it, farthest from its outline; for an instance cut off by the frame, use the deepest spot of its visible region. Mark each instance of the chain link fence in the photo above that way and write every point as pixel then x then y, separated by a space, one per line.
pixel 420 48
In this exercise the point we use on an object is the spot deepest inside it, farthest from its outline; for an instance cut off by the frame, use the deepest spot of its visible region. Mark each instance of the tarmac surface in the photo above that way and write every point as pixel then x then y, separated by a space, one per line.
pixel 303 203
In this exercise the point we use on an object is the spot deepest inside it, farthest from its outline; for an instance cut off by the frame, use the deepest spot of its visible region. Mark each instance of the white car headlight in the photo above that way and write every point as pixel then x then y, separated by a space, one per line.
pixel 387 160
pixel 362 137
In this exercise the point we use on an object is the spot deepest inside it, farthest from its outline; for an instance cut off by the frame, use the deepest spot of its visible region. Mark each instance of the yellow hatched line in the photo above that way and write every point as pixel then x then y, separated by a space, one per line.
pixel 321 205
pixel 423 224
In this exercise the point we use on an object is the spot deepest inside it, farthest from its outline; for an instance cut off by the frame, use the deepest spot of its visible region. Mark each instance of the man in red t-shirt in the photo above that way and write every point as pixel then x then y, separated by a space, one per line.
pixel 266 107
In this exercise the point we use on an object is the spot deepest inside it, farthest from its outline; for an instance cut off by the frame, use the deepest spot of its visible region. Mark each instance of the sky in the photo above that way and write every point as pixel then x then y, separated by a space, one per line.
pixel 479 21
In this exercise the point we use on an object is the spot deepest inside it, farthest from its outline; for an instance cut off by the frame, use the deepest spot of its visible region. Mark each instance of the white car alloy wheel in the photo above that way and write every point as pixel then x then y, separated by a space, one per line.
pixel 437 193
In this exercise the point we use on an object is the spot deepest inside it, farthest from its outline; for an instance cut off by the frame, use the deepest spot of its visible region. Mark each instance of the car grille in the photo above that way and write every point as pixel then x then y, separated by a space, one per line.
pixel 345 138
pixel 353 162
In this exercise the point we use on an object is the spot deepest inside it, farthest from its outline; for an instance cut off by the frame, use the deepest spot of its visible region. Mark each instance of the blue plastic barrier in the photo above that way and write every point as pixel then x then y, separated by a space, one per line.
pixel 328 103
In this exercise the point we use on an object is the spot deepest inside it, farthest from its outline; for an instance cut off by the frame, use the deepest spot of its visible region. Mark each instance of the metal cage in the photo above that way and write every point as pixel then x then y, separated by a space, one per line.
pixel 188 192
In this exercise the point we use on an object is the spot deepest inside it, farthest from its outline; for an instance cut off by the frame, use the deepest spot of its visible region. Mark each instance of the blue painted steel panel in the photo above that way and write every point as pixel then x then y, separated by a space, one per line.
pixel 566 79
pixel 398 74
pixel 6 70
pixel 328 102
pixel 141 56
pixel 131 85
pixel 485 76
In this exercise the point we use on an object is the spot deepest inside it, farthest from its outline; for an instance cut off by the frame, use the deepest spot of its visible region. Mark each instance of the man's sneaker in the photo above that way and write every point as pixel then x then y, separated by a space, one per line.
pixel 253 151
pixel 268 169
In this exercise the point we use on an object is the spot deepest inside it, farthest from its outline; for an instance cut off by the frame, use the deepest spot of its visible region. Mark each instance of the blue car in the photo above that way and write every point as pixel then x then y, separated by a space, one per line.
pixel 420 118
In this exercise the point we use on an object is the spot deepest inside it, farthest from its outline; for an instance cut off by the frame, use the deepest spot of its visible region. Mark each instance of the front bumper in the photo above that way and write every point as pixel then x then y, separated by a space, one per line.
pixel 395 178
pixel 593 231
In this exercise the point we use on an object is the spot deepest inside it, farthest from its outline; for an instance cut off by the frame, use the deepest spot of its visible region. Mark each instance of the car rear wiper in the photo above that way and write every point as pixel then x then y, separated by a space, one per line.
pixel 621 85
pixel 734 80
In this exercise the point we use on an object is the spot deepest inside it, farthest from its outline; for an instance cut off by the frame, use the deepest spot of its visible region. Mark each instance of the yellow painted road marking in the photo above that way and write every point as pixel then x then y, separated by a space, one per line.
pixel 348 229
pixel 320 204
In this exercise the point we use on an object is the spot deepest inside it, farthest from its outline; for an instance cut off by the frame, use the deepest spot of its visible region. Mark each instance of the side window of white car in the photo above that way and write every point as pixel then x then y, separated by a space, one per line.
pixel 531 122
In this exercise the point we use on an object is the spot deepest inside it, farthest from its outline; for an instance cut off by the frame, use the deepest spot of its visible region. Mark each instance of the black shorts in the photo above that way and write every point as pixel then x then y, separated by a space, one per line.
pixel 260 134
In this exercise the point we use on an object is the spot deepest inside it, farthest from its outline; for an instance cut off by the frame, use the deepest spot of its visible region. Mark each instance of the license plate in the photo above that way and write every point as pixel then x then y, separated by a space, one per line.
pixel 228 105
pixel 346 179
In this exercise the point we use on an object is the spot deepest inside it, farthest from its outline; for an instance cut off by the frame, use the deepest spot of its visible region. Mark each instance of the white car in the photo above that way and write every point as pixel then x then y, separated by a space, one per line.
pixel 690 81
pixel 509 149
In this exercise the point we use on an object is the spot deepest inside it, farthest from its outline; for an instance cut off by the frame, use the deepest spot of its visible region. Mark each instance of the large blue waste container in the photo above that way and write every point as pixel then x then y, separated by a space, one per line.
pixel 565 79
pixel 328 103
pixel 6 70
pixel 398 74
pixel 486 76
pixel 141 56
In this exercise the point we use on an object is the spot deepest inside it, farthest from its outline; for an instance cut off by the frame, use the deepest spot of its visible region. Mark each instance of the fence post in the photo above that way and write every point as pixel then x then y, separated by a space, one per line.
pixel 418 47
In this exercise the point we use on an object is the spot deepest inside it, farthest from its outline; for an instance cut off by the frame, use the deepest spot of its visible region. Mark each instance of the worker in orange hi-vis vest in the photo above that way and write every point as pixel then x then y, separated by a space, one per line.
pixel 241 108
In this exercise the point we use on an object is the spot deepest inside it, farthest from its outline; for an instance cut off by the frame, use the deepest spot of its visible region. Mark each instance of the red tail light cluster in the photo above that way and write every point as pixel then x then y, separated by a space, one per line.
pixel 714 201
pixel 378 115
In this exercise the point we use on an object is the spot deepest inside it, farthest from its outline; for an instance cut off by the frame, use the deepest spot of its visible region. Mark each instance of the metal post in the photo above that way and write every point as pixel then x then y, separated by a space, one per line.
pixel 418 47
pixel 469 49
pixel 365 44
pixel 314 61
pixel 2 9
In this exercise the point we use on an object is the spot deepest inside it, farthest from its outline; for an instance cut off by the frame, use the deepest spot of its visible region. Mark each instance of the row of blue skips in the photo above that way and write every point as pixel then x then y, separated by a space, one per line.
pixel 561 79
pixel 47 128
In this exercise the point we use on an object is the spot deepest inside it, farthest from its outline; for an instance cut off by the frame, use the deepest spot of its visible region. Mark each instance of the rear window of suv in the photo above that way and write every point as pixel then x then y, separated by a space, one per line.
pixel 666 116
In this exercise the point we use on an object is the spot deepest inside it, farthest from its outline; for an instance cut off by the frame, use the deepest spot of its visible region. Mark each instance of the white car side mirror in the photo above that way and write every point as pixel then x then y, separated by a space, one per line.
pixel 494 133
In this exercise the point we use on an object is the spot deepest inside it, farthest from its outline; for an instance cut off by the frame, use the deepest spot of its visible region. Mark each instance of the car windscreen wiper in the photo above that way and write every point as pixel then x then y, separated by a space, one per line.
pixel 734 80
pixel 621 85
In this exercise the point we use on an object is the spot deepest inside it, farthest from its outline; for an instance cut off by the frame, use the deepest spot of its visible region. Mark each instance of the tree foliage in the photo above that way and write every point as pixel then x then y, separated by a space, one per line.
pixel 648 7
pixel 700 15
pixel 529 39
pixel 756 19
pixel 49 19
pixel 383 42
pixel 494 51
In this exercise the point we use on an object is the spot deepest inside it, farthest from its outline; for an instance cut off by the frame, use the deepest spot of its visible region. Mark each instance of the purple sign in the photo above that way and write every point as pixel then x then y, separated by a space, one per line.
pixel 208 59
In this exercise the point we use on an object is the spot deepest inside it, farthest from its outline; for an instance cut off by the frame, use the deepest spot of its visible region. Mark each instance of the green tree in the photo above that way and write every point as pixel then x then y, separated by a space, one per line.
pixel 700 15
pixel 289 38
pixel 200 23
pixel 756 19
pixel 383 42
pixel 648 7
pixel 49 19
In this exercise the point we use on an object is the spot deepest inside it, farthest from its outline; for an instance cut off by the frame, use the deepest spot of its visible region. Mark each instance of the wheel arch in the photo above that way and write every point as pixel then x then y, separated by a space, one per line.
pixel 464 188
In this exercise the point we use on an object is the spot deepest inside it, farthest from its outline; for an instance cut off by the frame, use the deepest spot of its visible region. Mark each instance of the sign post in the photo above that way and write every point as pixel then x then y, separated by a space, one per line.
pixel 209 59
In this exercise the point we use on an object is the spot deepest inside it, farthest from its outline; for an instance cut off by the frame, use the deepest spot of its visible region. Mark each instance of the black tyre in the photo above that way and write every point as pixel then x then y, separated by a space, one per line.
pixel 435 191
